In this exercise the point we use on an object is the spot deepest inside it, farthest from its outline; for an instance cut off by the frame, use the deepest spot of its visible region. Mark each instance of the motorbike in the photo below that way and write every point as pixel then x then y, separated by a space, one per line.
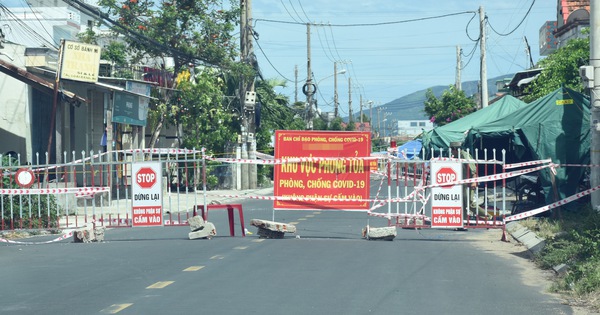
pixel 529 193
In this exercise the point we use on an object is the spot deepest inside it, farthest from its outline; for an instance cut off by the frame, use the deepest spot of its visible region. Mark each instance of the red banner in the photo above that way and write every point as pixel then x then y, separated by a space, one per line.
pixel 343 182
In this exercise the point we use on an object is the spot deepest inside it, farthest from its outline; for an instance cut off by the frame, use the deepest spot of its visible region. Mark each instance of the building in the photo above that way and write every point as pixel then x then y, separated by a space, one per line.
pixel 548 42
pixel 412 128
pixel 28 66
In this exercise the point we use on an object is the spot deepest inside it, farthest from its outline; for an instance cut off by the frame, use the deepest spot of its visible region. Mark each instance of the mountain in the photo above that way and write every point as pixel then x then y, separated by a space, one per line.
pixel 411 106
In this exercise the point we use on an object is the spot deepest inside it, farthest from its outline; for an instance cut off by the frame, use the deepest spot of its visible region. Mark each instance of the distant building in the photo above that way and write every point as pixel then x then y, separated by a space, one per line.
pixel 572 17
pixel 548 42
pixel 413 128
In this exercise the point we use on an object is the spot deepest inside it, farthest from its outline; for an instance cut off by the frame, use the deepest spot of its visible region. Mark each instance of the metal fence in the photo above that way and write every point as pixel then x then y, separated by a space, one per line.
pixel 96 187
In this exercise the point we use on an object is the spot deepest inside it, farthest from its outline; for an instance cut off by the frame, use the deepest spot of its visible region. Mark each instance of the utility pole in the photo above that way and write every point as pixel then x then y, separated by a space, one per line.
pixel 483 66
pixel 458 84
pixel 295 84
pixel 595 91
pixel 528 52
pixel 371 116
pixel 350 118
pixel 247 99
pixel 378 122
pixel 335 91
pixel 308 87
pixel 361 105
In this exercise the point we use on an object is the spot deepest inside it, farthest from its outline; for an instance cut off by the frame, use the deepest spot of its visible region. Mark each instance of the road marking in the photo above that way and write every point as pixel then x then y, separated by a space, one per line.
pixel 302 219
pixel 160 285
pixel 293 223
pixel 115 308
pixel 317 212
pixel 193 268
pixel 259 240
pixel 240 247
pixel 217 257
pixel 310 215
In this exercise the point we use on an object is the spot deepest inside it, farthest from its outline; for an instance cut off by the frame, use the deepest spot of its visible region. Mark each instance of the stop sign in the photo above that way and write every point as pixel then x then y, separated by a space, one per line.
pixel 446 175
pixel 145 177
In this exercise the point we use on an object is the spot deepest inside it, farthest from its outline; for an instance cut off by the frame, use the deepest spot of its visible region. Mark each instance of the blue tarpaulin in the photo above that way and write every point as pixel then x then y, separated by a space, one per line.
pixel 410 150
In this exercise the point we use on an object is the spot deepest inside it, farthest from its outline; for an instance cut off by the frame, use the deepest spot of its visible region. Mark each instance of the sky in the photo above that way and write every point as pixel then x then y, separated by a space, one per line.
pixel 391 48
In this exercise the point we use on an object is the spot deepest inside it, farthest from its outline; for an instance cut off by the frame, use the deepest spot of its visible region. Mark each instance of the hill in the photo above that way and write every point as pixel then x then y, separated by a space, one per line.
pixel 411 106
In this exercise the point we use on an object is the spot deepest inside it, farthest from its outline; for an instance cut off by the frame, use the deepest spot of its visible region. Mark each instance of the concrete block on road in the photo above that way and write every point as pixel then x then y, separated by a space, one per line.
pixel 207 231
pixel 271 229
pixel 196 223
pixel 88 234
pixel 387 233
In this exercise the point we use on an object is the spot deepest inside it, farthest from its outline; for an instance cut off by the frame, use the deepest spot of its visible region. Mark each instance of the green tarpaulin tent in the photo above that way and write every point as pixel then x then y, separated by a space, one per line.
pixel 556 126
pixel 440 137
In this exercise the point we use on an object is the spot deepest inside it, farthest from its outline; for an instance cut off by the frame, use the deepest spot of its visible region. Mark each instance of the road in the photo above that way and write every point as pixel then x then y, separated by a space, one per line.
pixel 326 268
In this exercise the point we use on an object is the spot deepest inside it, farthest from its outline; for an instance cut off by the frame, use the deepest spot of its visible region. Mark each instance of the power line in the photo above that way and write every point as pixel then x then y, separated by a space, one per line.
pixel 374 24
pixel 516 27
pixel 288 12
pixel 269 61
pixel 133 35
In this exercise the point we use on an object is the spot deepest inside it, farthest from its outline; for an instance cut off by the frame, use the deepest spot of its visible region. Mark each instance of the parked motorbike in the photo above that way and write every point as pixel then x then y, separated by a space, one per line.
pixel 530 189
pixel 530 194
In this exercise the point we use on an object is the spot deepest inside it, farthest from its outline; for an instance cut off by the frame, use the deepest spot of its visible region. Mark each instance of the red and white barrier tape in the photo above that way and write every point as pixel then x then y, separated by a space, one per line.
pixel 60 238
pixel 293 160
pixel 54 191
pixel 530 163
pixel 557 204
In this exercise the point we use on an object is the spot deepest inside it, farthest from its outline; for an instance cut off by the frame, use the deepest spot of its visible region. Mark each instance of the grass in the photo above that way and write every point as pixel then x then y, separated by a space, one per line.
pixel 572 239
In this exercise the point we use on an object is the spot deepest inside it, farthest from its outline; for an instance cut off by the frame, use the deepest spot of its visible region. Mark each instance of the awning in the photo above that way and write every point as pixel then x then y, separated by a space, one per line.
pixel 527 80
pixel 121 89
pixel 36 82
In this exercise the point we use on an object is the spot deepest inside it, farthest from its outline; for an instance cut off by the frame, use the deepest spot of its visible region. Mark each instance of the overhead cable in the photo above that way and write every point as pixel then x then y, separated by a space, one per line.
pixel 516 27
pixel 373 24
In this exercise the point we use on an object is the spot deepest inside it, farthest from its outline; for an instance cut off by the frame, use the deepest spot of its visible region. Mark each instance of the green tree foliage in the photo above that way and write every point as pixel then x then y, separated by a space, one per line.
pixel 275 114
pixel 560 68
pixel 186 30
pixel 336 124
pixel 190 32
pixel 453 105
pixel 198 107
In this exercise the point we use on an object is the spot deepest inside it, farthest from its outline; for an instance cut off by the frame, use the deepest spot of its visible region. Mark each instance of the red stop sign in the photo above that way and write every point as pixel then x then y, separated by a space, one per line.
pixel 446 175
pixel 146 177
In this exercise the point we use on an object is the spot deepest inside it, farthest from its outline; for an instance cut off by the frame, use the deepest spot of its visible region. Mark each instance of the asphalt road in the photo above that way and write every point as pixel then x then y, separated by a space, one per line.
pixel 326 268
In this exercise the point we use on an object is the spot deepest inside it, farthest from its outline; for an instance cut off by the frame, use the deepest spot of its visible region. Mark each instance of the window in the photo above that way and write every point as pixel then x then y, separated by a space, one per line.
pixel 413 123
pixel 421 124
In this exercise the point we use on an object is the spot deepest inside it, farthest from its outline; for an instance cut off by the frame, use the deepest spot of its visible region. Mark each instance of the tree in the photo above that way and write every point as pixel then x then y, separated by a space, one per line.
pixel 560 68
pixel 191 32
pixel 275 114
pixel 198 107
pixel 453 105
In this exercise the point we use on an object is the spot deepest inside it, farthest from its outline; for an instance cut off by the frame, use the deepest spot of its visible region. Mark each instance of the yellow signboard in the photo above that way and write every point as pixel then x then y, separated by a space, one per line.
pixel 80 62
pixel 564 102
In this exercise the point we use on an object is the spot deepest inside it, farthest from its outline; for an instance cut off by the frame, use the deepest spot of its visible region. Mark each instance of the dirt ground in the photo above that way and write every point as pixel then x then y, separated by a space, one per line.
pixel 490 241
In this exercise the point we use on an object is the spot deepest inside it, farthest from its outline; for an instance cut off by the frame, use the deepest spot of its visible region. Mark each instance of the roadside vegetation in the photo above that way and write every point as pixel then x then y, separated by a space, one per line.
pixel 572 239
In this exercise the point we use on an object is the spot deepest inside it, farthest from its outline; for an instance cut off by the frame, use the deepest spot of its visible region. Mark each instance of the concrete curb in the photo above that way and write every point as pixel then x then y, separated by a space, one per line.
pixel 526 237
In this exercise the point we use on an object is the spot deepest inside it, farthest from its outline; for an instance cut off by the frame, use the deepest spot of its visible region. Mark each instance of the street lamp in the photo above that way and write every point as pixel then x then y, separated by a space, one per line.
pixel 310 109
